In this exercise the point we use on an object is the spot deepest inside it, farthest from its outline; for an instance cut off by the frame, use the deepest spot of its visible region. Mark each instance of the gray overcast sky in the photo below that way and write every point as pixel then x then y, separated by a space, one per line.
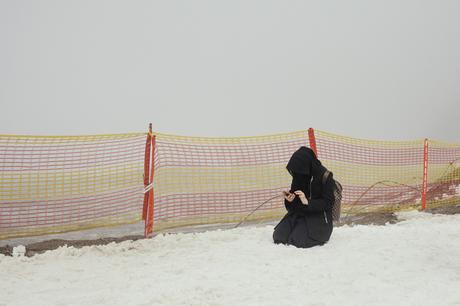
pixel 371 69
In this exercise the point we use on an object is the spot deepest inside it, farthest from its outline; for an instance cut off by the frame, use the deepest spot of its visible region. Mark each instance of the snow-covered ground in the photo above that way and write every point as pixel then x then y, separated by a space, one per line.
pixel 414 262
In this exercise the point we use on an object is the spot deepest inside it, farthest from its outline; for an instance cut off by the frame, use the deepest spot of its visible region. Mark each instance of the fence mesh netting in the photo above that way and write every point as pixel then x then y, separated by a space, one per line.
pixel 59 184
pixel 443 173
pixel 216 180
pixel 375 175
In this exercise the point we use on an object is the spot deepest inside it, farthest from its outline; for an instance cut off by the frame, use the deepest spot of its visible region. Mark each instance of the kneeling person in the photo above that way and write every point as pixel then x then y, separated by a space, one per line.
pixel 308 221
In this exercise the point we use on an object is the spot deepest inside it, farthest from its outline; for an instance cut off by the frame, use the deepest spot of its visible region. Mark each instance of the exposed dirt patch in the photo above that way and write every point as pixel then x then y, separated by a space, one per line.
pixel 380 218
pixel 43 246
pixel 6 250
pixel 447 210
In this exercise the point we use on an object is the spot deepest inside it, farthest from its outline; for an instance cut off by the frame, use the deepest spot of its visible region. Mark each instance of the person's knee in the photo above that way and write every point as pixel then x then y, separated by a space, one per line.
pixel 279 237
pixel 312 244
pixel 303 242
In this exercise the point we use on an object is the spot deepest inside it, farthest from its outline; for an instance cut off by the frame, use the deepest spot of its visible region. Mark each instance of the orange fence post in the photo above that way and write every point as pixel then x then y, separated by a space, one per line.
pixel 147 211
pixel 150 206
pixel 425 173
pixel 311 137
pixel 148 145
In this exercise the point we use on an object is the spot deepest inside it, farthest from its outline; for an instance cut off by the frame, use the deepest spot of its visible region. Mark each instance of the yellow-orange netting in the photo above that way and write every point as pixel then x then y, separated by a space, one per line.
pixel 443 173
pixel 202 180
pixel 388 175
pixel 59 184
pixel 375 175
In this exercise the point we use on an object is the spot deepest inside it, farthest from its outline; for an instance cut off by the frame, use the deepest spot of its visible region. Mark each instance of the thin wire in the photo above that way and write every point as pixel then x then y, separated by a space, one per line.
pixel 384 183
pixel 450 165
pixel 244 219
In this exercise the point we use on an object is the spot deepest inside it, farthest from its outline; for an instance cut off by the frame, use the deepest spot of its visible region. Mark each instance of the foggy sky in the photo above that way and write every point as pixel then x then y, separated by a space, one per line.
pixel 366 69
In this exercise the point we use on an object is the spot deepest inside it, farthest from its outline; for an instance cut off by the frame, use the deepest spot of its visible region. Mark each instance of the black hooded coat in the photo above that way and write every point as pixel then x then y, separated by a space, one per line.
pixel 307 225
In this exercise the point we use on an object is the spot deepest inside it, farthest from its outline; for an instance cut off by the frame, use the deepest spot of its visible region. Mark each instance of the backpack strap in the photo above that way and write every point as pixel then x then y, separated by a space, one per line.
pixel 325 176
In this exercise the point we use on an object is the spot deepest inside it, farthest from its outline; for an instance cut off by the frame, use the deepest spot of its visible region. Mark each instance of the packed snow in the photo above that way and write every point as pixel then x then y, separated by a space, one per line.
pixel 413 262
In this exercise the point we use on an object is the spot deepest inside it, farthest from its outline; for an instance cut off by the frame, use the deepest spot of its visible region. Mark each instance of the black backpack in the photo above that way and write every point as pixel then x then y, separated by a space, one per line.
pixel 337 205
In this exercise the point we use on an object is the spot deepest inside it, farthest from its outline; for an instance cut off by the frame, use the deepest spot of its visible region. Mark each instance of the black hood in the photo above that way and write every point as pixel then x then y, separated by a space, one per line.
pixel 304 161
pixel 302 165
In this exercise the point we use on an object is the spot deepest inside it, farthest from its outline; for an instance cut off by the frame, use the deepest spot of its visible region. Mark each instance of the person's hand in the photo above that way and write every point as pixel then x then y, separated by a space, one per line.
pixel 302 196
pixel 288 196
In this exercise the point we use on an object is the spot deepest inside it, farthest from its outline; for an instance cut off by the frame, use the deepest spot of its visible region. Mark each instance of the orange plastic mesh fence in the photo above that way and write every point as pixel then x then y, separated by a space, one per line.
pixel 376 175
pixel 443 173
pixel 58 184
pixel 202 180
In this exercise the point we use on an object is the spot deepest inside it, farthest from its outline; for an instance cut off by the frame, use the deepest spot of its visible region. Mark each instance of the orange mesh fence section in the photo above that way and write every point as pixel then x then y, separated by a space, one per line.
pixel 58 184
pixel 443 173
pixel 376 175
pixel 218 180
